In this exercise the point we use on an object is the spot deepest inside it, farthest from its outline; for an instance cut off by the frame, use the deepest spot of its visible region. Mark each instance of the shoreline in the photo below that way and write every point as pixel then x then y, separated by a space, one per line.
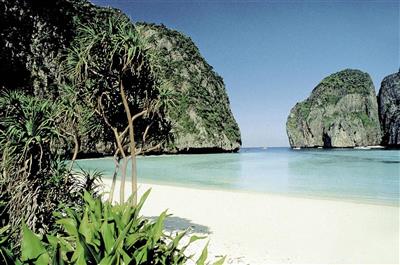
pixel 356 148
pixel 253 228
pixel 277 194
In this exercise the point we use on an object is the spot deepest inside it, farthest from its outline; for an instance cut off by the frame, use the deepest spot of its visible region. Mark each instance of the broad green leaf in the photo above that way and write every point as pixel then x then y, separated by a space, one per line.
pixel 32 248
pixel 89 251
pixel 125 257
pixel 158 226
pixel 107 260
pixel 175 242
pixel 220 261
pixel 108 236
pixel 78 257
pixel 119 242
pixel 69 225
pixel 85 228
pixel 203 257
pixel 191 240
pixel 57 256
pixel 141 202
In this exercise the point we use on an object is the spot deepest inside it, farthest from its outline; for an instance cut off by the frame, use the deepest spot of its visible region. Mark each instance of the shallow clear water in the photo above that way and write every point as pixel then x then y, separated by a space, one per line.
pixel 359 175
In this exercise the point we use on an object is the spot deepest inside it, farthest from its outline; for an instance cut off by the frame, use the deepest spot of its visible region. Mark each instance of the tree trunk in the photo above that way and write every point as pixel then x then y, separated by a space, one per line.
pixel 114 179
pixel 76 150
pixel 132 145
pixel 123 179
pixel 124 165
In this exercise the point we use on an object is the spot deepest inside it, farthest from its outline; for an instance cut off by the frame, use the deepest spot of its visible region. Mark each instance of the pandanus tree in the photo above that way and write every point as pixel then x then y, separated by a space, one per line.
pixel 34 180
pixel 109 67
pixel 27 132
pixel 74 119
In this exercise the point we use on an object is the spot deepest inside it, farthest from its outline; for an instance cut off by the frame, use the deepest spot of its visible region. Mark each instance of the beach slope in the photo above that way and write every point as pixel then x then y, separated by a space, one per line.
pixel 254 228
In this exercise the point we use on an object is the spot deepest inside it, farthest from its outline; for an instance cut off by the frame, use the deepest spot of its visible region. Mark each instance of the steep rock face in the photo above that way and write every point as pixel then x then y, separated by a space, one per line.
pixel 389 109
pixel 200 112
pixel 34 35
pixel 342 111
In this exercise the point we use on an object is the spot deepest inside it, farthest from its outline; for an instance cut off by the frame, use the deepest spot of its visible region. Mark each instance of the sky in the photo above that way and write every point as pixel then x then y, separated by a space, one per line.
pixel 271 54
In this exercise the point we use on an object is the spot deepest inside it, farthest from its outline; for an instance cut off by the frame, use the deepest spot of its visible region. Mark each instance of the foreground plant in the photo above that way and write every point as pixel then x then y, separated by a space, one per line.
pixel 106 234
pixel 34 180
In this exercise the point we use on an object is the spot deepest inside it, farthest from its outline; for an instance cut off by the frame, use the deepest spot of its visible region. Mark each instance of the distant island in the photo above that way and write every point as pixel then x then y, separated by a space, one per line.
pixel 342 111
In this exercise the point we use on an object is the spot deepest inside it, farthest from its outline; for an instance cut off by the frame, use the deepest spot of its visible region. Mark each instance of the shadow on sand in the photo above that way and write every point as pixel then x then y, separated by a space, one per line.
pixel 174 223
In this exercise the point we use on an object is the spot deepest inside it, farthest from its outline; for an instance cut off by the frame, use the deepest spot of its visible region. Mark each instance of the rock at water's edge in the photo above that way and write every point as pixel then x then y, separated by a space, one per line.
pixel 389 109
pixel 342 111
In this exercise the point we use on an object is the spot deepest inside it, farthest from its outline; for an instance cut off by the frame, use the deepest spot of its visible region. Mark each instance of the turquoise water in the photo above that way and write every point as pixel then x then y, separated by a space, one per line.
pixel 358 175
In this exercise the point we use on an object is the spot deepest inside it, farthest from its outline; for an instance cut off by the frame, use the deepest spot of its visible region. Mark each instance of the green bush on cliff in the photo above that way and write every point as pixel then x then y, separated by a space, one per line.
pixel 351 81
pixel 364 118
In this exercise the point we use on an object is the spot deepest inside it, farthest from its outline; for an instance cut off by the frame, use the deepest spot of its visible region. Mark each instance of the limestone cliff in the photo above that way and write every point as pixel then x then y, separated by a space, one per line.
pixel 201 116
pixel 389 109
pixel 34 36
pixel 342 111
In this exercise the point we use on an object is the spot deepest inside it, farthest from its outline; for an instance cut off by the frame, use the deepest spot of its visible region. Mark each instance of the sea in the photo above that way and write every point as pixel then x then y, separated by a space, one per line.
pixel 364 176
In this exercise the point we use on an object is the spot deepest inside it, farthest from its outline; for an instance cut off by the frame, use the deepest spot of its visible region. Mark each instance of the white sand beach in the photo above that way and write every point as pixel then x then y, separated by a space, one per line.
pixel 254 228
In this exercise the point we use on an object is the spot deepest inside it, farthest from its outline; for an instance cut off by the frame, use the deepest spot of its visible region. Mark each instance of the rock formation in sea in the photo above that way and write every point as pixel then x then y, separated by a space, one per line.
pixel 389 109
pixel 34 35
pixel 342 111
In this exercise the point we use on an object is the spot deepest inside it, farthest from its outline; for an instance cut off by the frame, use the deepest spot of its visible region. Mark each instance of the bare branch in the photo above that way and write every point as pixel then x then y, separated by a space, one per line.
pixel 115 131
pixel 142 151
pixel 133 119
pixel 138 151
pixel 101 112
pixel 119 144
pixel 117 160
pixel 145 134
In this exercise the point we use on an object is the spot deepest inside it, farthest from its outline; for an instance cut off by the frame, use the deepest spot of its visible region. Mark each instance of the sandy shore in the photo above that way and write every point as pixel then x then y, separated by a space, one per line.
pixel 252 228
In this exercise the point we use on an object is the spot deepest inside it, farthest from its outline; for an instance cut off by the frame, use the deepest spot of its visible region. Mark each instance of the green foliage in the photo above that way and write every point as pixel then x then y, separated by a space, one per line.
pixel 105 57
pixel 74 116
pixel 102 57
pixel 304 109
pixel 344 82
pixel 40 35
pixel 105 234
pixel 35 180
pixel 27 133
pixel 6 254
pixel 365 119
pixel 32 249
pixel 103 52
pixel 328 121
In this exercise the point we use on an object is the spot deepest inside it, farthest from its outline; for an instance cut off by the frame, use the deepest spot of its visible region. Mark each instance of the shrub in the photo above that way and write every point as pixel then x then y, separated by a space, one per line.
pixel 35 181
pixel 105 234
